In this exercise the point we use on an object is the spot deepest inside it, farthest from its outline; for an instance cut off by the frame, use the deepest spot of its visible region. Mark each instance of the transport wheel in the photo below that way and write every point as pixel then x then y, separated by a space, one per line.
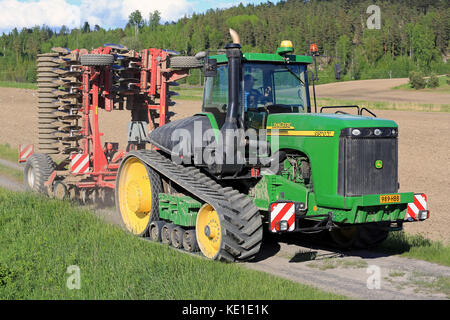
pixel 208 231
pixel 38 169
pixel 190 241
pixel 137 189
pixel 176 237
pixel 183 62
pixel 97 59
pixel 155 230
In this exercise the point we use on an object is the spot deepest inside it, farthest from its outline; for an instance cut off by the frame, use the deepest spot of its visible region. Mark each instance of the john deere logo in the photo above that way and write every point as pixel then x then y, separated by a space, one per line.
pixel 378 164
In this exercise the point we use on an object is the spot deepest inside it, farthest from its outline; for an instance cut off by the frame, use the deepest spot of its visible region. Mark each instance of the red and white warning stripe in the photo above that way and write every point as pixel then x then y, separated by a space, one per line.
pixel 79 163
pixel 283 211
pixel 25 151
pixel 419 204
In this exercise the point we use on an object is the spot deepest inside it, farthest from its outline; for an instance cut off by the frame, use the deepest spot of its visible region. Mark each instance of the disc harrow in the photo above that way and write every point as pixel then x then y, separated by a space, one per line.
pixel 73 85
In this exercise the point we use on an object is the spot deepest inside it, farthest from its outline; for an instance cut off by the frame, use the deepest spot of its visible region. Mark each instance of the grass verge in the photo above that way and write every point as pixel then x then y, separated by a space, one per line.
pixel 42 237
pixel 188 93
pixel 381 105
pixel 11 173
pixel 416 247
pixel 21 85
pixel 8 153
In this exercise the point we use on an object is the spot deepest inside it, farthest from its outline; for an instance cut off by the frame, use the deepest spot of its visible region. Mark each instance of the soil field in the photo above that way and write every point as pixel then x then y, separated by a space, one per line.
pixel 424 146
pixel 379 90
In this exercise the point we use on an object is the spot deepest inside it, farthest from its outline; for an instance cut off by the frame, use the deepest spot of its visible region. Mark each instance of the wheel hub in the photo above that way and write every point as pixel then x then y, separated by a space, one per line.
pixel 134 197
pixel 208 230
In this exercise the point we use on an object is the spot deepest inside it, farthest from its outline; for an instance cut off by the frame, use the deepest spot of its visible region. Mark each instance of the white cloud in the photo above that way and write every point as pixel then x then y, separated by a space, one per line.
pixel 170 9
pixel 16 14
pixel 106 13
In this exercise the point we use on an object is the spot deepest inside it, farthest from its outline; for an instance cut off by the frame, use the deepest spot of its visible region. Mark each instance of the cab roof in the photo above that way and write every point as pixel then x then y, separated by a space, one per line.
pixel 266 57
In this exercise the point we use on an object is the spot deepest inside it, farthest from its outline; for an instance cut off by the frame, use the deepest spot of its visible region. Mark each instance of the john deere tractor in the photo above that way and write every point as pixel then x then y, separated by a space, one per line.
pixel 257 158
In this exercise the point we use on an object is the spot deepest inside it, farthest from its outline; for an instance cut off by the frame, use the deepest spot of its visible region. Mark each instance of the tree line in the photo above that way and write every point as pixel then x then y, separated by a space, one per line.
pixel 414 36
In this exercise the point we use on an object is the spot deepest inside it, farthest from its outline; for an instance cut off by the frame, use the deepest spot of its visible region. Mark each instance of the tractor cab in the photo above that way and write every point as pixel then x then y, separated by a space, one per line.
pixel 268 83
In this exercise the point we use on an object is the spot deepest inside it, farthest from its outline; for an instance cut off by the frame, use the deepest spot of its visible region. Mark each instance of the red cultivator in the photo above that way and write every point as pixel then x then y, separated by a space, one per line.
pixel 72 86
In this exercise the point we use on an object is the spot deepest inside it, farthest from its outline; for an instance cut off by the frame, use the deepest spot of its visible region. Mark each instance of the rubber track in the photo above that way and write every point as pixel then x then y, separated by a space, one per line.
pixel 241 223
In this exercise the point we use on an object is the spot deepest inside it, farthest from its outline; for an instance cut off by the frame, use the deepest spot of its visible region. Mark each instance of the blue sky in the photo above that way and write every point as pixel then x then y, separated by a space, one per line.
pixel 106 13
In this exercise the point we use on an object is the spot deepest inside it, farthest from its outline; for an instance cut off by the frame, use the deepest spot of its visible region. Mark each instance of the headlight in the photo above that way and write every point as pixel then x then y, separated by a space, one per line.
pixel 356 132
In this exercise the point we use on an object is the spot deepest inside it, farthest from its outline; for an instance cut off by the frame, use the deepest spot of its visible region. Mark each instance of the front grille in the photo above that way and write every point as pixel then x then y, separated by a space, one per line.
pixel 357 173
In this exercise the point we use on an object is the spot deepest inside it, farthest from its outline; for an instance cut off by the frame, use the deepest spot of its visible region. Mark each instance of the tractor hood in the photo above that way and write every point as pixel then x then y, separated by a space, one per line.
pixel 325 139
pixel 323 123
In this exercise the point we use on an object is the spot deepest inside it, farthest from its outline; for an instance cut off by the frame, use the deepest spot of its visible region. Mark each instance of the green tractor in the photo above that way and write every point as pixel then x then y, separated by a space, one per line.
pixel 257 158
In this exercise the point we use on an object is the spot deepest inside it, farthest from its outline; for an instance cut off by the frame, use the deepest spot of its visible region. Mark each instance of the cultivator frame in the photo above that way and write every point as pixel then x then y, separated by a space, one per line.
pixel 73 86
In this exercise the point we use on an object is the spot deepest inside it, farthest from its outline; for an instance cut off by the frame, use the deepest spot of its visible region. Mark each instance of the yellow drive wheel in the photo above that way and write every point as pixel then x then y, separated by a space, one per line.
pixel 137 189
pixel 208 231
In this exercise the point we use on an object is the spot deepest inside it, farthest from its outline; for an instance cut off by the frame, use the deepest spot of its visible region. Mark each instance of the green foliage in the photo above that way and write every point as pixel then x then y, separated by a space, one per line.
pixel 416 80
pixel 413 36
pixel 417 247
pixel 433 81
pixel 41 238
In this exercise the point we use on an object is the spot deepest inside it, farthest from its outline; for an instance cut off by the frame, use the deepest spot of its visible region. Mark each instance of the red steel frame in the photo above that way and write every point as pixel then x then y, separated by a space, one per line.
pixel 155 78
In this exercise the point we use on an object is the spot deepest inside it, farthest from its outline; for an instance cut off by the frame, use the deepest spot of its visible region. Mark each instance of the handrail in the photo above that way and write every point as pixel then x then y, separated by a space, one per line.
pixel 359 110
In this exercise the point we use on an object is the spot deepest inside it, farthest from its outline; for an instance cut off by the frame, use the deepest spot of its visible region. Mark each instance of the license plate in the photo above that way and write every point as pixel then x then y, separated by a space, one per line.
pixel 390 198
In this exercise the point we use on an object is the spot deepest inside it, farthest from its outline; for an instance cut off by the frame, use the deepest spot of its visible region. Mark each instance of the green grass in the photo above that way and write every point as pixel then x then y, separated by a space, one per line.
pixel 416 247
pixel 21 85
pixel 332 263
pixel 433 285
pixel 9 172
pixel 188 93
pixel 41 238
pixel 8 153
pixel 380 105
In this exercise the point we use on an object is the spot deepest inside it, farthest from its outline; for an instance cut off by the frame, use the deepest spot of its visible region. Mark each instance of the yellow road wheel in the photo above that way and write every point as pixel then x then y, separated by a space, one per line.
pixel 137 189
pixel 208 231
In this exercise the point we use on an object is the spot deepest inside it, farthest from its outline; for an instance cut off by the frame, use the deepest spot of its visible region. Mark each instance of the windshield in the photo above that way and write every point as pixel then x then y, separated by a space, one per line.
pixel 281 86
pixel 266 88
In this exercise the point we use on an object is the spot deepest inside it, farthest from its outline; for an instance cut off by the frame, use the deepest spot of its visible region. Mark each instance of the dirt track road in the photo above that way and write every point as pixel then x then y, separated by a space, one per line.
pixel 379 90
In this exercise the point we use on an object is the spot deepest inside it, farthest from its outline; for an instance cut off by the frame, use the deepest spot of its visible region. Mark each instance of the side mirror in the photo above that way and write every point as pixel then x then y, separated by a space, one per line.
pixel 210 67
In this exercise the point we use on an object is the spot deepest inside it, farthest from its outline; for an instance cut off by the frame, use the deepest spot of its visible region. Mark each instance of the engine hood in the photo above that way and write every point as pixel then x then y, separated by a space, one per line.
pixel 324 122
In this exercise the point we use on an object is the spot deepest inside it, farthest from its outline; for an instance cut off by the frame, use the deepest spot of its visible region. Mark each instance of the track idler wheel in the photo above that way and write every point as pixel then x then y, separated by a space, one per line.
pixel 166 233
pixel 190 241
pixel 176 237
pixel 155 230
